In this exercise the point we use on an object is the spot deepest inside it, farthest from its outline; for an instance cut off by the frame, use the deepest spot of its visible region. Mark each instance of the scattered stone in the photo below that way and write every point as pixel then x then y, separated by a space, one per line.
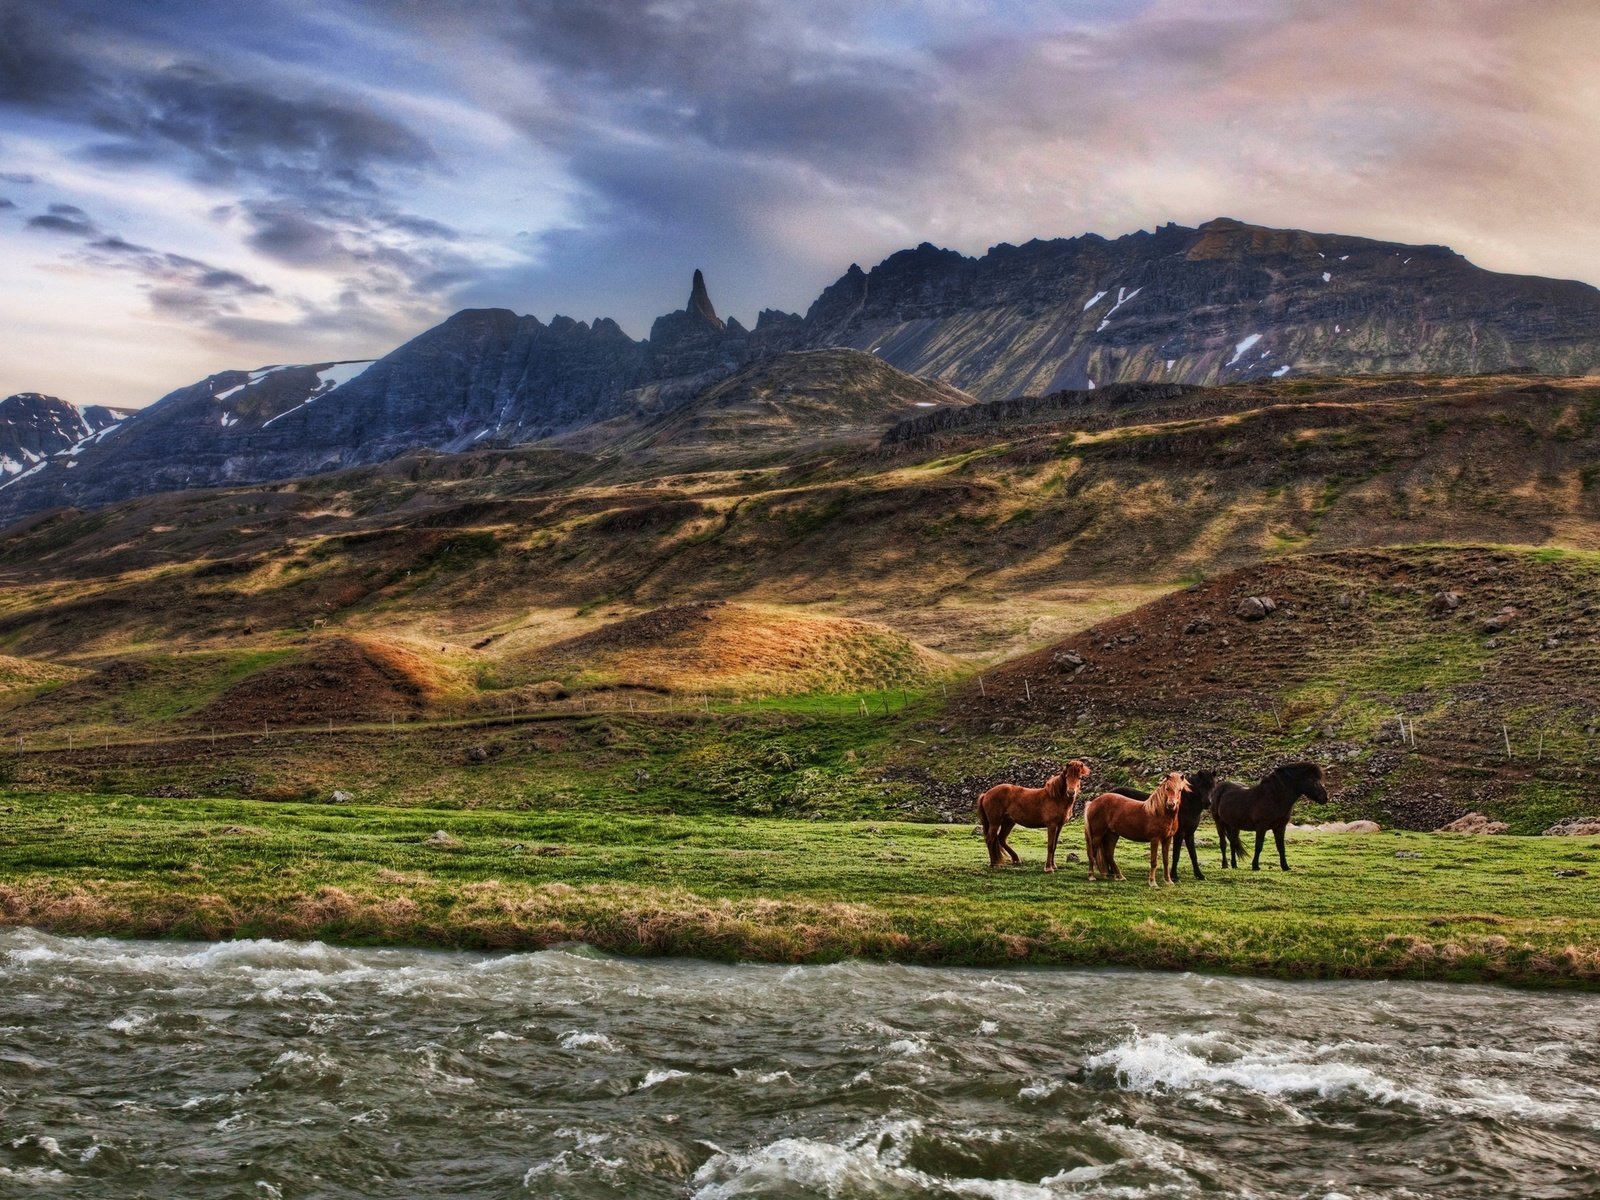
pixel 339 797
pixel 1551 642
pixel 1568 873
pixel 1339 827
pixel 1575 827
pixel 440 838
pixel 1500 620
pixel 1068 660
pixel 171 791
pixel 1256 608
pixel 1445 602
pixel 641 775
pixel 1492 644
pixel 1407 854
pixel 1344 600
pixel 1072 857
pixel 1198 625
pixel 1474 822
pixel 478 754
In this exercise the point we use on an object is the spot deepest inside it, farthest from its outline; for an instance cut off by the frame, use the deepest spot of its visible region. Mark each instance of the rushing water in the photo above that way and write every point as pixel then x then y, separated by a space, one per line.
pixel 268 1069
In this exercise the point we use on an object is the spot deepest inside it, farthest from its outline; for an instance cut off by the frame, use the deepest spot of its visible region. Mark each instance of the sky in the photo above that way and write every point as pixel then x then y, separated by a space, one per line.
pixel 192 185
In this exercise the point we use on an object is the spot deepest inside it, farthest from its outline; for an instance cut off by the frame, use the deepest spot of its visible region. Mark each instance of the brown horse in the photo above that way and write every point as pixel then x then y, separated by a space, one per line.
pixel 1263 807
pixel 1110 816
pixel 1005 806
pixel 1195 802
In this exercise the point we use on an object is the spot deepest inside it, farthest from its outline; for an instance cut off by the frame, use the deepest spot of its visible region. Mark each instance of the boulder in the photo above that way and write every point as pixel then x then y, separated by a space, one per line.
pixel 1474 822
pixel 1575 827
pixel 440 838
pixel 1068 660
pixel 1256 608
pixel 1339 827
pixel 1445 602
pixel 1500 620
pixel 339 797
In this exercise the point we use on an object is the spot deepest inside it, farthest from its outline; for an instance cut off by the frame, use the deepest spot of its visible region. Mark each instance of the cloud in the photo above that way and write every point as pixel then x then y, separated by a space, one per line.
pixel 66 219
pixel 5 203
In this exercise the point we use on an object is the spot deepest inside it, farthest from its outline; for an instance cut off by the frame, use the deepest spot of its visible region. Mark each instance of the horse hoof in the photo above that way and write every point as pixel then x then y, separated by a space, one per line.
pixel 1049 870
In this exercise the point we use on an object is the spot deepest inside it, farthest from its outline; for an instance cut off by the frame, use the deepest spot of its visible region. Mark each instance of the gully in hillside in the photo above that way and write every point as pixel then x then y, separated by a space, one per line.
pixel 1263 807
pixel 1110 816
pixel 1006 805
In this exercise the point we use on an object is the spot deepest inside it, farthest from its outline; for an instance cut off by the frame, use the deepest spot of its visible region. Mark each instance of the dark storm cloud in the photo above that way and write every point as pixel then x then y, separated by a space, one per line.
pixel 7 203
pixel 64 218
pixel 218 127
pixel 36 66
pixel 743 76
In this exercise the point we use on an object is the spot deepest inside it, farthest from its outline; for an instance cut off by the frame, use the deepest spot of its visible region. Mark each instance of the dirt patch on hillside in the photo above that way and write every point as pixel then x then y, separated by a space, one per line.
pixel 738 647
pixel 1486 659
pixel 342 680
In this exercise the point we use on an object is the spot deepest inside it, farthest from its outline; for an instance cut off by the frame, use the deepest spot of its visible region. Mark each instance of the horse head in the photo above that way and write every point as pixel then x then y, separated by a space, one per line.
pixel 1201 785
pixel 1304 779
pixel 1073 775
pixel 1171 790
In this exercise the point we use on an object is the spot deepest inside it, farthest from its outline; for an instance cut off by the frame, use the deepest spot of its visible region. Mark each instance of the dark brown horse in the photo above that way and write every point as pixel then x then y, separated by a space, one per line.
pixel 1263 807
pixel 1006 805
pixel 1195 802
pixel 1110 816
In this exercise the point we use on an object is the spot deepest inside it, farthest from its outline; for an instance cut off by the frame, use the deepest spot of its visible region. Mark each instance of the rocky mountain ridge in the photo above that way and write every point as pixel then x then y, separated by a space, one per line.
pixel 1224 302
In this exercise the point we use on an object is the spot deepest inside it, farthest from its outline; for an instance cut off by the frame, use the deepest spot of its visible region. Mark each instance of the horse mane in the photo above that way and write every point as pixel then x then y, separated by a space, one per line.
pixel 1156 800
pixel 1298 770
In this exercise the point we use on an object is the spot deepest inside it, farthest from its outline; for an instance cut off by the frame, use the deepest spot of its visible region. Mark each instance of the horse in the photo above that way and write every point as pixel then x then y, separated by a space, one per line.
pixel 1263 807
pixel 1111 815
pixel 1007 805
pixel 1195 802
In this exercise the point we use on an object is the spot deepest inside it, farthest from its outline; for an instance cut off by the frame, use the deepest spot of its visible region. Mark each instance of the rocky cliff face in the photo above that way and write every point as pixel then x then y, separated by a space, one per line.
pixel 34 428
pixel 1223 302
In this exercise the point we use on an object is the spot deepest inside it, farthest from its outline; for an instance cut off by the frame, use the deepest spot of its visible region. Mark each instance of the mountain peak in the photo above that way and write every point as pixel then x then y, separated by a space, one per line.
pixel 700 302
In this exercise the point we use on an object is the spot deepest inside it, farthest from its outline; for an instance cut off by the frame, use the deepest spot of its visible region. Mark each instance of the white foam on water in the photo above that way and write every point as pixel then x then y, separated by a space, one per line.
pixel 1191 1062
pixel 1039 1089
pixel 660 1075
pixel 870 1163
pixel 910 1047
pixel 34 1175
pixel 129 1024
pixel 1093 300
pixel 986 1028
pixel 578 1039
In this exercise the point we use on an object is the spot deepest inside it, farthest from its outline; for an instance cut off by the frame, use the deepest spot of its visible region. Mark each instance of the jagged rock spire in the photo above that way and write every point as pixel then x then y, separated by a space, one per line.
pixel 700 302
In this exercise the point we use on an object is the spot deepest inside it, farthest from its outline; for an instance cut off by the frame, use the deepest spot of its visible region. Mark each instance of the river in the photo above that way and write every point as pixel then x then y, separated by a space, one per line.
pixel 271 1069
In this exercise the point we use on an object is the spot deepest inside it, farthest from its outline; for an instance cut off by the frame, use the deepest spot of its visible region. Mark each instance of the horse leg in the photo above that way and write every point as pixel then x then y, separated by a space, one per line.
pixel 1050 852
pixel 1168 869
pixel 1222 840
pixel 1238 846
pixel 1194 859
pixel 1277 836
pixel 1261 836
pixel 1006 826
pixel 1108 857
pixel 1153 842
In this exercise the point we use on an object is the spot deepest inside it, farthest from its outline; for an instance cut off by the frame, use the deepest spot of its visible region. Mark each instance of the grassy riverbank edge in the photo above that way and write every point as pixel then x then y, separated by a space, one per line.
pixel 1387 905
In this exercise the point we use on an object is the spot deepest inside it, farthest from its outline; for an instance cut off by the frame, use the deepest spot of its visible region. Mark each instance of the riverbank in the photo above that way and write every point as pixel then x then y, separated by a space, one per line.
pixel 1386 905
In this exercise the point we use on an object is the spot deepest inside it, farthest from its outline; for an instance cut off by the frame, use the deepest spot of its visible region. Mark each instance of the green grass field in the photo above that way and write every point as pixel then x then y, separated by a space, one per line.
pixel 731 887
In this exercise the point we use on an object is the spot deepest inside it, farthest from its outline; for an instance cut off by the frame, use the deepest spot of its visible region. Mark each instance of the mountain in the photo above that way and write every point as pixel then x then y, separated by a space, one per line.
pixel 1216 304
pixel 1224 302
pixel 34 428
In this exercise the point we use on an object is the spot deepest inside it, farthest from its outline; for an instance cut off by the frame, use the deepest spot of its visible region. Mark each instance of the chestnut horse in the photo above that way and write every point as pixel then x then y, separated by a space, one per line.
pixel 1110 816
pixel 1263 807
pixel 1195 802
pixel 1006 805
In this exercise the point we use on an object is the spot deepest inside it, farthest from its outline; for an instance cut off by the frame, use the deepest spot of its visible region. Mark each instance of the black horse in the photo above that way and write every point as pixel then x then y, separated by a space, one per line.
pixel 1195 802
pixel 1263 807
